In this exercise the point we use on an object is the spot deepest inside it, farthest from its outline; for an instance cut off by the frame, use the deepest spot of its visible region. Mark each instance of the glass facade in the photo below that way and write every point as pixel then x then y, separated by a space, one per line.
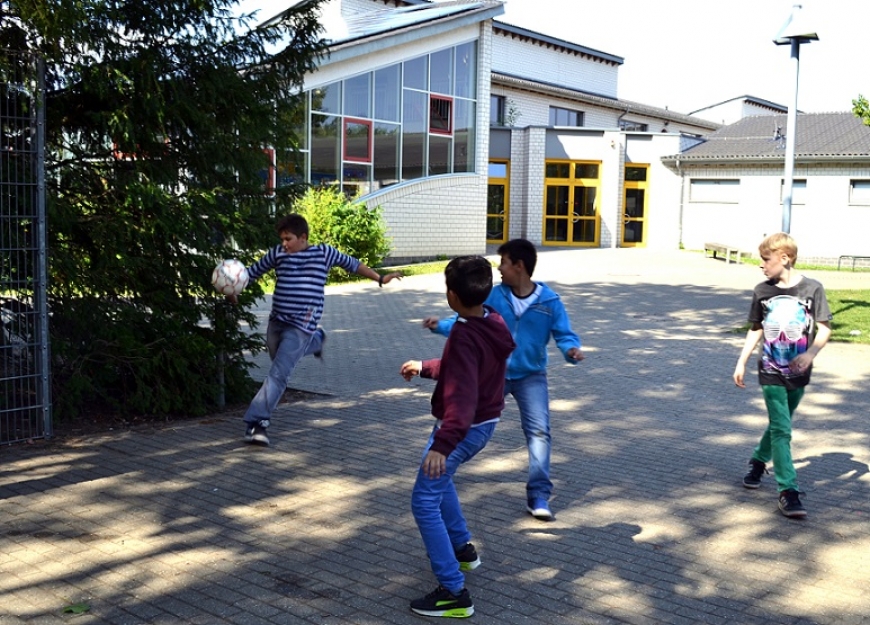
pixel 412 119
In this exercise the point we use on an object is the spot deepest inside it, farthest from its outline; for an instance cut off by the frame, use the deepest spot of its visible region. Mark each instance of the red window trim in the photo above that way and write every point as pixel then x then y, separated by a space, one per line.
pixel 441 131
pixel 362 122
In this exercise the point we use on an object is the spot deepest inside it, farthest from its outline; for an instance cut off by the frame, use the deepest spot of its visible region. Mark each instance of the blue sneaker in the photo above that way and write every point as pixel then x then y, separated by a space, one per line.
pixel 539 509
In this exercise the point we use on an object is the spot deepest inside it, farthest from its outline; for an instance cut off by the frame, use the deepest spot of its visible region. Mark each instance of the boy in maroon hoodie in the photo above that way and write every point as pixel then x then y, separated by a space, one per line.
pixel 467 403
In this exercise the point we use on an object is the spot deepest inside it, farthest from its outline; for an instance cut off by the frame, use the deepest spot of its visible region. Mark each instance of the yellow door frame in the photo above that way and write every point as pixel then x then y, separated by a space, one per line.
pixel 642 185
pixel 571 177
pixel 504 215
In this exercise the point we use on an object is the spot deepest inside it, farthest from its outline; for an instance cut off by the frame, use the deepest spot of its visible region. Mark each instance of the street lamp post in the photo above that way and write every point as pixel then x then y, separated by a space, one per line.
pixel 793 33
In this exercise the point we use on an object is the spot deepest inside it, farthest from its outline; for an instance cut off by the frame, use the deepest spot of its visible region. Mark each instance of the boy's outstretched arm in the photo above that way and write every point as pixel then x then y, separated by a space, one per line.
pixel 367 272
pixel 439 326
pixel 411 369
pixel 752 337
pixel 802 362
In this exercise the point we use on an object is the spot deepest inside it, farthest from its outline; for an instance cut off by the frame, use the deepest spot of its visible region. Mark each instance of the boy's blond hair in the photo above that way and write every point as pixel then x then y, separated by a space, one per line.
pixel 779 242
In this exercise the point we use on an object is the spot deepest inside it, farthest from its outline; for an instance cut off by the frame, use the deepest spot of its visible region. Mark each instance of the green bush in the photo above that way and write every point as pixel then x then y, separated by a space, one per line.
pixel 346 225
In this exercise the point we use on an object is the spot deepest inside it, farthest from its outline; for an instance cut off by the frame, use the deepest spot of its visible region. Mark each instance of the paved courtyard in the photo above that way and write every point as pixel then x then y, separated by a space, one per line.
pixel 186 524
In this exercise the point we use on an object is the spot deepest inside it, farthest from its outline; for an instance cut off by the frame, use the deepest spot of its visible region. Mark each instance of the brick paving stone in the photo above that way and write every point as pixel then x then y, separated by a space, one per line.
pixel 186 524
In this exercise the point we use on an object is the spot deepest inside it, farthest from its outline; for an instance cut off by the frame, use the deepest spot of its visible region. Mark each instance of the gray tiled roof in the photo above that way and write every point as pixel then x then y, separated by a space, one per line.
pixel 827 136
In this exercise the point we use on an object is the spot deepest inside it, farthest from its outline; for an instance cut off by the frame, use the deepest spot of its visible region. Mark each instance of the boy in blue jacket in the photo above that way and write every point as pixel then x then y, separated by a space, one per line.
pixel 533 313
pixel 467 403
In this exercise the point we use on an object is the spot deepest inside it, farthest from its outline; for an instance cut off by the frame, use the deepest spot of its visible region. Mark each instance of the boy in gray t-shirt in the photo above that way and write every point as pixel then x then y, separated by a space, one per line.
pixel 790 314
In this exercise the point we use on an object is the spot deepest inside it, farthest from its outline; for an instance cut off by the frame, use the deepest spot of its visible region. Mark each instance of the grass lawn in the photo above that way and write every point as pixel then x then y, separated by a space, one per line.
pixel 851 316
pixel 851 308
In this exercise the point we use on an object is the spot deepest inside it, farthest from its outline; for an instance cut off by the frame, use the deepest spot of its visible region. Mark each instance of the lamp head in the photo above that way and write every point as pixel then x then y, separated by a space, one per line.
pixel 796 28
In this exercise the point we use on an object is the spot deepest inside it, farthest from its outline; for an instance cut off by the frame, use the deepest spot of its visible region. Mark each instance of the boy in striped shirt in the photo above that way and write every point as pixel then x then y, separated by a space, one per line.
pixel 301 270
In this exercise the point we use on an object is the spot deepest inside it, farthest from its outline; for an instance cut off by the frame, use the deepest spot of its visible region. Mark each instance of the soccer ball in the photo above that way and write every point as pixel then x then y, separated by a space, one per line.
pixel 230 277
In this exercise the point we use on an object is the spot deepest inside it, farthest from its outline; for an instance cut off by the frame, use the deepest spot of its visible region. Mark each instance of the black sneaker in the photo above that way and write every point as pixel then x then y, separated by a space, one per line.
pixel 319 354
pixel 790 504
pixel 255 433
pixel 467 557
pixel 756 469
pixel 441 602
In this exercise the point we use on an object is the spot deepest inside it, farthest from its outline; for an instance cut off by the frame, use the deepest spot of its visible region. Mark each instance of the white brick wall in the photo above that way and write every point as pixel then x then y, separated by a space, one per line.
pixel 443 215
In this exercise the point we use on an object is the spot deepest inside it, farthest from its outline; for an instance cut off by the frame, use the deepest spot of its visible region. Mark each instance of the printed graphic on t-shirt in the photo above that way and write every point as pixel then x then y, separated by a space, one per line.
pixel 787 324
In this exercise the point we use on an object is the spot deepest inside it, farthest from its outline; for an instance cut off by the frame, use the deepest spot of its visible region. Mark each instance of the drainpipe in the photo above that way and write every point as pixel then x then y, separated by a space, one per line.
pixel 682 200
pixel 624 113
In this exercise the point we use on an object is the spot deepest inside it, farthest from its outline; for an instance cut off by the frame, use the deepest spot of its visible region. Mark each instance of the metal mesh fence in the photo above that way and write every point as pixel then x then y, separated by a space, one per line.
pixel 25 406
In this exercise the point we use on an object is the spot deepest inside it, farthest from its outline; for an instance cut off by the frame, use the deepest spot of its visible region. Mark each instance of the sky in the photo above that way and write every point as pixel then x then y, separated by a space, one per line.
pixel 689 54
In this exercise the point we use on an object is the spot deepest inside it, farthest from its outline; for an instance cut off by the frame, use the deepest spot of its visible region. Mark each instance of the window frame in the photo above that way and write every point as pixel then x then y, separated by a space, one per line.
pixel 864 185
pixel 798 191
pixel 722 183
pixel 448 101
pixel 367 123
pixel 554 113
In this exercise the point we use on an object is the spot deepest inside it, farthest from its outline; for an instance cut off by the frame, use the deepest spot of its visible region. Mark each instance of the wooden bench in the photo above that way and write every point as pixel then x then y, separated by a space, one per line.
pixel 853 259
pixel 726 250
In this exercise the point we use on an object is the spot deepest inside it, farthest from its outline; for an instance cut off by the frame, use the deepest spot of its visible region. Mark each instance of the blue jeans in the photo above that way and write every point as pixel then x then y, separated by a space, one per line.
pixel 533 401
pixel 775 443
pixel 436 509
pixel 287 345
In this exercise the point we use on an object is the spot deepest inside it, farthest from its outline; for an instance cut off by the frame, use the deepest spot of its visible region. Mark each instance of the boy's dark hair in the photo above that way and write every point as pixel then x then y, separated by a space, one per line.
pixel 293 223
pixel 470 277
pixel 521 250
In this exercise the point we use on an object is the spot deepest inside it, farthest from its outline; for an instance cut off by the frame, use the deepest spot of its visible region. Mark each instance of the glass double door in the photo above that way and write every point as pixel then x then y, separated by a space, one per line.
pixel 634 214
pixel 571 204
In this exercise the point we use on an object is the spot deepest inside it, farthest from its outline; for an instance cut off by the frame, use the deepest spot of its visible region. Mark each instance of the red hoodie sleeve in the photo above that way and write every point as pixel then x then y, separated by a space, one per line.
pixel 459 383
pixel 431 368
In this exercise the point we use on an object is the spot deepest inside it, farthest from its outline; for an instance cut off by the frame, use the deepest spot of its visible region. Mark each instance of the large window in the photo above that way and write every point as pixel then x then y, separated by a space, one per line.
pixel 497 105
pixel 388 93
pixel 408 120
pixel 859 192
pixel 565 117
pixel 630 126
pixel 715 191
pixel 798 192
pixel 325 142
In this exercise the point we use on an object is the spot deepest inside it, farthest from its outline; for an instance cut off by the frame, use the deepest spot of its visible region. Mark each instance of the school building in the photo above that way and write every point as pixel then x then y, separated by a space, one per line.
pixel 466 130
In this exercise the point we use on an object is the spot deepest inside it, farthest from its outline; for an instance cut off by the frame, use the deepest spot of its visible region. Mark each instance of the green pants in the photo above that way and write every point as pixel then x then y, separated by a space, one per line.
pixel 775 444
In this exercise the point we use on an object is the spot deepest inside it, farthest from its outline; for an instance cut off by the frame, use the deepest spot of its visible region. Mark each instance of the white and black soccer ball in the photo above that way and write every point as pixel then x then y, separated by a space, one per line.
pixel 230 277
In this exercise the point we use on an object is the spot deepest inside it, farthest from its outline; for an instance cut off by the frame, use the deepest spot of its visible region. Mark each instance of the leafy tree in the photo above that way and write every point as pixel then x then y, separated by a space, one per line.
pixel 861 109
pixel 157 113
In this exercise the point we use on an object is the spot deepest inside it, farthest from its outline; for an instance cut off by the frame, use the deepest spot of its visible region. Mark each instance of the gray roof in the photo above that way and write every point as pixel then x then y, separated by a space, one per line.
pixel 626 107
pixel 751 100
pixel 820 136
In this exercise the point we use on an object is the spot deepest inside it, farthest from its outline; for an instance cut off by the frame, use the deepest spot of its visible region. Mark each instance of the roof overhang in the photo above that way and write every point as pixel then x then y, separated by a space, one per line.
pixel 625 107
pixel 476 13
pixel 805 159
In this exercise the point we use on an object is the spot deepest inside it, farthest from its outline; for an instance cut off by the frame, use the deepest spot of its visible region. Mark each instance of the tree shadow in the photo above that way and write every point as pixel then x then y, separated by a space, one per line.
pixel 188 524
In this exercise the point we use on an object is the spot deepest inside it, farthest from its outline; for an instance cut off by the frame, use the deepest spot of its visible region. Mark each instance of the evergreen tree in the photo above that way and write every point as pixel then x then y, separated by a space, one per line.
pixel 157 116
